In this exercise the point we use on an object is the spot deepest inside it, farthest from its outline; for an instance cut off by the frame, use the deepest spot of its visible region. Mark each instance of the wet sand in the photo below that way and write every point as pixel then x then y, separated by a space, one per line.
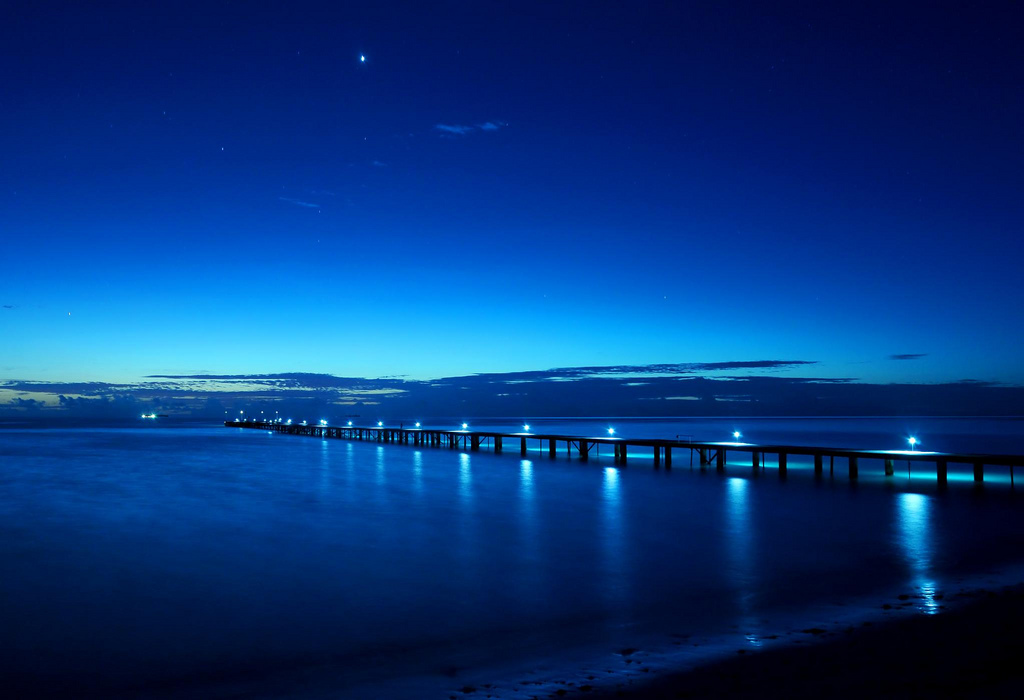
pixel 973 650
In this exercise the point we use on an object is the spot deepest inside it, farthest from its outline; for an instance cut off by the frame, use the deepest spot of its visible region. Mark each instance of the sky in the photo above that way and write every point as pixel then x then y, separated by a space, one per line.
pixel 435 190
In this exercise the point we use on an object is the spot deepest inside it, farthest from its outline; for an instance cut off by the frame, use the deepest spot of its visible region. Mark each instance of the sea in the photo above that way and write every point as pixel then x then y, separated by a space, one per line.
pixel 170 558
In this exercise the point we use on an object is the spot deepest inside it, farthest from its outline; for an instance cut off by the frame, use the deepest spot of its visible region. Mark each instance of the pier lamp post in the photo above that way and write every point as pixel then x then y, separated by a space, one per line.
pixel 380 424
pixel 736 434
pixel 913 443
pixel 465 426
pixel 417 424
pixel 350 424
pixel 611 431
pixel 526 428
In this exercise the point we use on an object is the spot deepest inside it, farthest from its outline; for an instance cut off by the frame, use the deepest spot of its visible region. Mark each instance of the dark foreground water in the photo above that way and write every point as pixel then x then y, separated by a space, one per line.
pixel 213 562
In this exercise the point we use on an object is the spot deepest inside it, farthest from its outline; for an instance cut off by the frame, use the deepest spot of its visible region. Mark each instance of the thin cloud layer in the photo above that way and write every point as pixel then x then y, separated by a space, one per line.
pixel 754 387
pixel 463 129
pixel 299 202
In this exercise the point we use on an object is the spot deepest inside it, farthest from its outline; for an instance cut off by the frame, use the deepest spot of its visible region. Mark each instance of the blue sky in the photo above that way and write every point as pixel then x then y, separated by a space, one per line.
pixel 509 187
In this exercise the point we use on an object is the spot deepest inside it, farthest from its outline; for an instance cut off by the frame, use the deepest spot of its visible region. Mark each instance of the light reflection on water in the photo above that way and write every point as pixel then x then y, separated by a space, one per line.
pixel 192 545
pixel 465 479
pixel 914 534
pixel 526 489
pixel 325 470
pixel 741 548
pixel 417 471
pixel 381 472
pixel 616 581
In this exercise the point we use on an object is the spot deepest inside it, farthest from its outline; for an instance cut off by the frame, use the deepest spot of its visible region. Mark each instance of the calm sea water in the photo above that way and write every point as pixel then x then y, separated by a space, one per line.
pixel 203 561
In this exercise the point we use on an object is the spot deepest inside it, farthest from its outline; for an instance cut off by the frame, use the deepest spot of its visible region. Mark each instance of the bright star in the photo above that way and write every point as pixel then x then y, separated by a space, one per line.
pixel 362 58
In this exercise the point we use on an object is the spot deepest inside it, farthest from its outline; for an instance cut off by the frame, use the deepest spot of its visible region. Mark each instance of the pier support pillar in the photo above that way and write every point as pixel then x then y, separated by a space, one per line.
pixel 497 443
pixel 657 456
pixel 721 460
pixel 853 467
pixel 783 463
pixel 889 467
pixel 979 471
pixel 818 467
pixel 622 453
pixel 941 472
pixel 584 450
pixel 522 446
pixel 703 454
pixel 551 447
pixel 668 456
pixel 755 460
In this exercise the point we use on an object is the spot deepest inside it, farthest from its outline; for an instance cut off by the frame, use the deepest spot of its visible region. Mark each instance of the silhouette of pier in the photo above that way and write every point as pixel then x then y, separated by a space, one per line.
pixel 706 453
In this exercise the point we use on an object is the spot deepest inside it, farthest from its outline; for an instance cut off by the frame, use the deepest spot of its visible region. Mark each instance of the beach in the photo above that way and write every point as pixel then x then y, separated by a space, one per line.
pixel 973 650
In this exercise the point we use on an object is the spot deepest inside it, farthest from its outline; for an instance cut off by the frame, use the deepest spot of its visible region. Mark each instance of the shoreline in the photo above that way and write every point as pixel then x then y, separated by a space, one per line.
pixel 964 638
pixel 973 649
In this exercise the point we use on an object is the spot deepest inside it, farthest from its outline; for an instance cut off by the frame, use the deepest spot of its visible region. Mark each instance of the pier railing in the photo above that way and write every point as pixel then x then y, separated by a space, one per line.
pixel 707 453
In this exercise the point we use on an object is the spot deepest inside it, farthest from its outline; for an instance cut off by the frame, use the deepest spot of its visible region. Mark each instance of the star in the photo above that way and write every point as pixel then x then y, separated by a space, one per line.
pixel 362 58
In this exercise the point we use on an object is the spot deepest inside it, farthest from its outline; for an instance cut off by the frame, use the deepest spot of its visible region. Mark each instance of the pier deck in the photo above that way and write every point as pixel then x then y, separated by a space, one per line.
pixel 707 453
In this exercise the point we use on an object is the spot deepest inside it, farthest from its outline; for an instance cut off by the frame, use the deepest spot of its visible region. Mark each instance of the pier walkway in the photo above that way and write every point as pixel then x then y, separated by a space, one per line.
pixel 707 453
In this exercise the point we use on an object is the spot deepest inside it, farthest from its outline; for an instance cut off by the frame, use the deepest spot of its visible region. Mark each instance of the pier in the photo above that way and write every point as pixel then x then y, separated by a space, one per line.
pixel 707 454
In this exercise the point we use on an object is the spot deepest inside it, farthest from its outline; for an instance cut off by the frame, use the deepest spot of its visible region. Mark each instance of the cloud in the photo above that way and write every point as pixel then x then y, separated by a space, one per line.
pixel 299 202
pixel 456 129
pixel 463 129
pixel 909 356
pixel 9 306
pixel 379 164
pixel 743 387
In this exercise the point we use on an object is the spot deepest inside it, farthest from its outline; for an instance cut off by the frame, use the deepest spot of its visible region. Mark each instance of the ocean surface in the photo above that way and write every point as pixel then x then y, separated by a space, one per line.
pixel 180 560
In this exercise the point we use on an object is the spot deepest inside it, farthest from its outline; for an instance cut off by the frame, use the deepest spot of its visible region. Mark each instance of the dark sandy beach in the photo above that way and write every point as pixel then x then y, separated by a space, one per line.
pixel 973 650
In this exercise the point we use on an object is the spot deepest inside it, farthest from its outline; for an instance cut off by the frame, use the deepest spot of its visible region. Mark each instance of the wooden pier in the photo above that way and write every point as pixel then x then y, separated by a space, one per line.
pixel 706 453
